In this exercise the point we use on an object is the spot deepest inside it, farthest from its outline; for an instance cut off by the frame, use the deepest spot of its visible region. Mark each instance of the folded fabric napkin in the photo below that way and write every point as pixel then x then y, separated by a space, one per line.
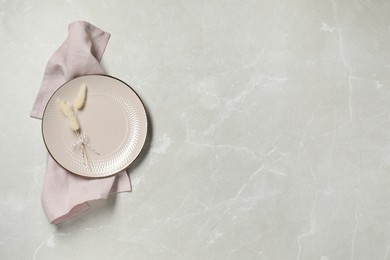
pixel 65 194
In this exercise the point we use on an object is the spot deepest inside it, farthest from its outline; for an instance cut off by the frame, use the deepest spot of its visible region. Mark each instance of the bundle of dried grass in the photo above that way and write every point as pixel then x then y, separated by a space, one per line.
pixel 69 112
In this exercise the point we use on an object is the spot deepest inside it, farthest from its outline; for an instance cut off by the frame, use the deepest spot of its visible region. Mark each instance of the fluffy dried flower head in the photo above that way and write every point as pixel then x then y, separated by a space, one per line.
pixel 74 125
pixel 67 111
pixel 79 102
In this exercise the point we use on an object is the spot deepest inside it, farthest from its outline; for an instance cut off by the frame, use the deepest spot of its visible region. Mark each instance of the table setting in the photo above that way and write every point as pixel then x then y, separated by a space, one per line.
pixel 73 178
pixel 194 130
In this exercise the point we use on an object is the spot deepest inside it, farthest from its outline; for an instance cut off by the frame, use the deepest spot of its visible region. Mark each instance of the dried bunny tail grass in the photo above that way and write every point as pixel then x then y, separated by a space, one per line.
pixel 67 110
pixel 74 125
pixel 79 102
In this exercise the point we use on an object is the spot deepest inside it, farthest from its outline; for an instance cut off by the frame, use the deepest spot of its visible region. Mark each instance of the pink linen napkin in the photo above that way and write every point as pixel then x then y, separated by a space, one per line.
pixel 65 194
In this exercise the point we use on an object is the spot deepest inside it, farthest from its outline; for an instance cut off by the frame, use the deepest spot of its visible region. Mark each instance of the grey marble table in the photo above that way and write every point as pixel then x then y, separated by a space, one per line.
pixel 270 130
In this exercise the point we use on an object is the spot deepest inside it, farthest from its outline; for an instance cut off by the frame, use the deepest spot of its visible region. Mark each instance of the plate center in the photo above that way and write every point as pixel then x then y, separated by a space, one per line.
pixel 104 122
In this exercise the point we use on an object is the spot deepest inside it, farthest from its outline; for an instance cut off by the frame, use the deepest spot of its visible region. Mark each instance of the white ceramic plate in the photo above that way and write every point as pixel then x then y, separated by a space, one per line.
pixel 113 121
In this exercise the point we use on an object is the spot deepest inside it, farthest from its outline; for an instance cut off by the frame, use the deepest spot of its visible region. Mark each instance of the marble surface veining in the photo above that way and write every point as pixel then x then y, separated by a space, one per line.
pixel 270 130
